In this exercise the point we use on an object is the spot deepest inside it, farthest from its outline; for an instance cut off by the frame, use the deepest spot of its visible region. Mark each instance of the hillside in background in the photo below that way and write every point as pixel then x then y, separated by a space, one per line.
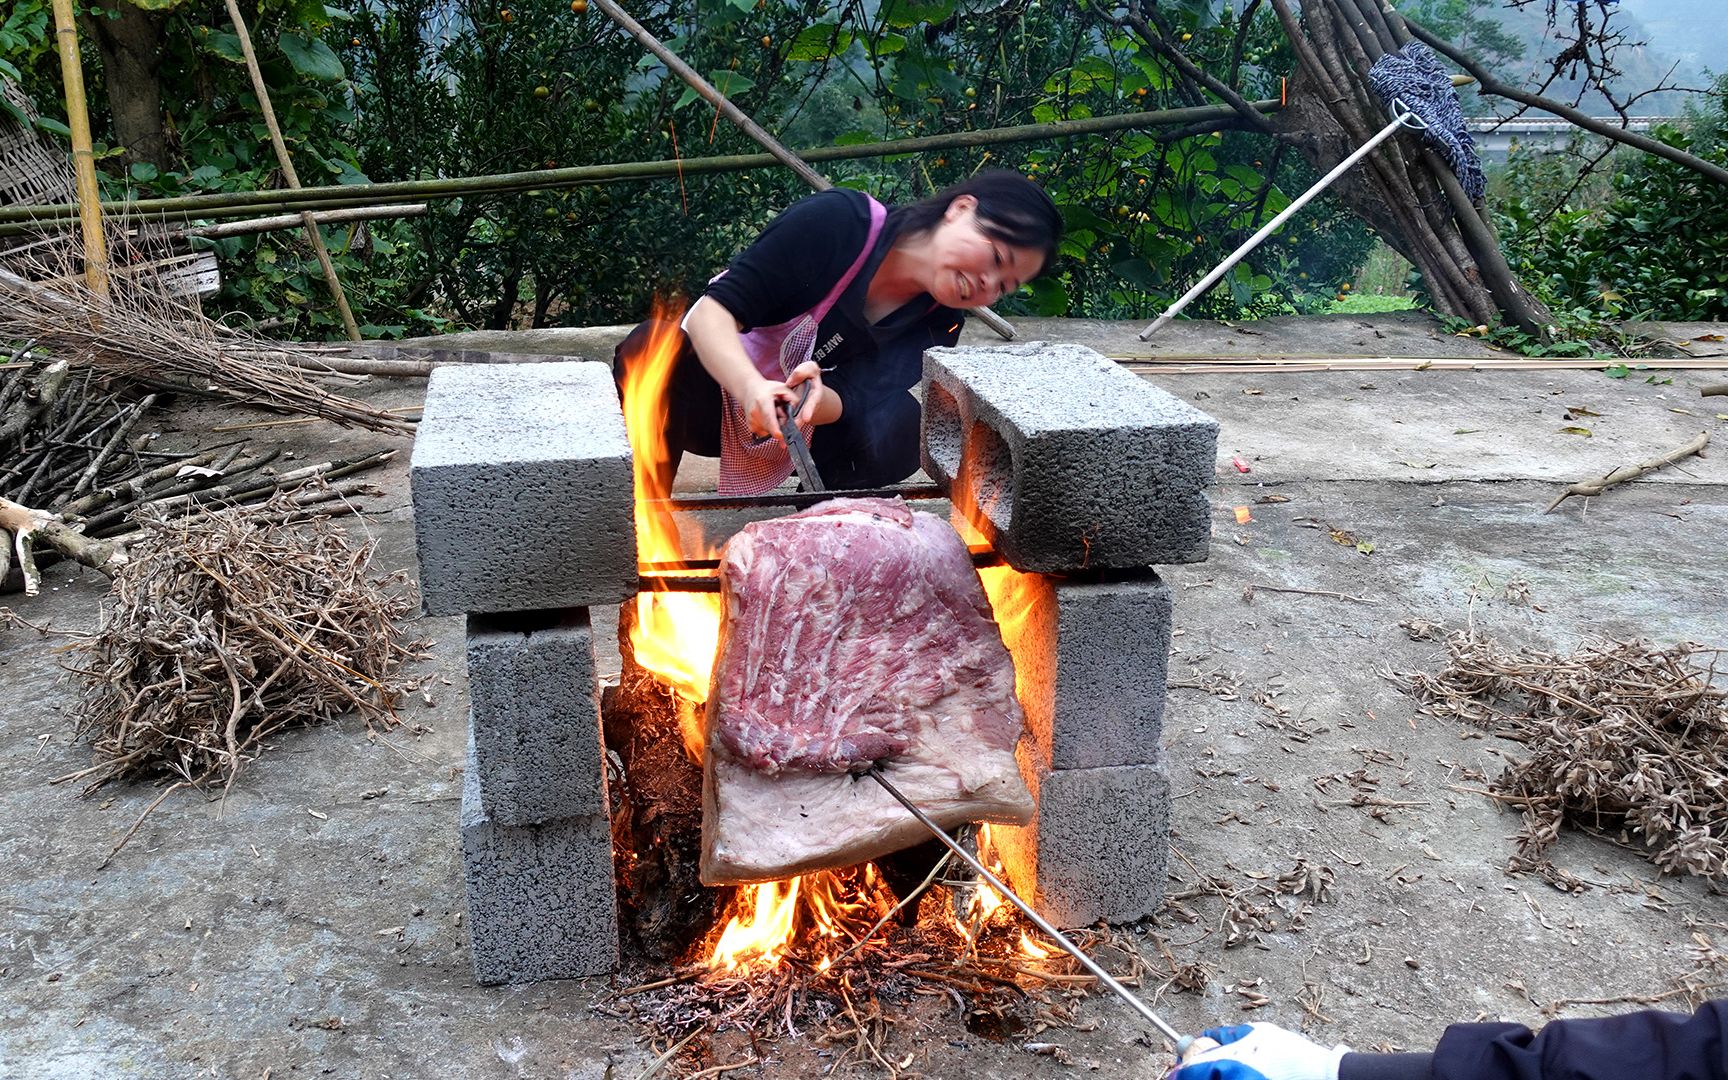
pixel 1695 31
pixel 1683 38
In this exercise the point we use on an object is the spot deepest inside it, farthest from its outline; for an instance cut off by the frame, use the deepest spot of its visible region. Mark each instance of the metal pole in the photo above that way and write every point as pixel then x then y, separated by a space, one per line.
pixel 1182 1042
pixel 792 161
pixel 1271 226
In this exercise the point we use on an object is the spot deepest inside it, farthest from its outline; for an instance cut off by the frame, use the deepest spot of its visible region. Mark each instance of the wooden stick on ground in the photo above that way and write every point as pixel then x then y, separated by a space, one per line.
pixel 1631 472
pixel 1717 390
pixel 288 173
pixel 28 527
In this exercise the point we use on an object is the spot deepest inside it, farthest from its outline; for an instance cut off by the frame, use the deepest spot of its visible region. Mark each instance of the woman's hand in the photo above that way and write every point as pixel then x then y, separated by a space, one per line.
pixel 767 400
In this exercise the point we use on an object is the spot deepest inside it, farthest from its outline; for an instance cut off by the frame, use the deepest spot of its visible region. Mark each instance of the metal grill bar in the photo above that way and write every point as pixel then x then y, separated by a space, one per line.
pixel 800 499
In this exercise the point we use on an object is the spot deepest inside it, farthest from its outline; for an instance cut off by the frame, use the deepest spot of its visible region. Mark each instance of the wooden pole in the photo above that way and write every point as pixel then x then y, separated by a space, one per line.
pixel 287 163
pixel 322 217
pixel 733 113
pixel 83 155
pixel 253 203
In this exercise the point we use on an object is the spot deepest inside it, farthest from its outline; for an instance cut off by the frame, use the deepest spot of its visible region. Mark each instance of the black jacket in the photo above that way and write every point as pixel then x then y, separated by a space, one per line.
pixel 790 268
pixel 1637 1046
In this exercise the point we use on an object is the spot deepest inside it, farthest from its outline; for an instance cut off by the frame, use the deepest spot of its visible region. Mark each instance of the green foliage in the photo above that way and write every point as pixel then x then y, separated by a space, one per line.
pixel 1652 243
pixel 1368 304
pixel 24 38
pixel 412 89
pixel 1146 217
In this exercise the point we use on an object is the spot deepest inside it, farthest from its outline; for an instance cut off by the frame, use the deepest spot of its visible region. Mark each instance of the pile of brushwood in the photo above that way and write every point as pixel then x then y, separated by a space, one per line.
pixel 222 630
pixel 80 375
pixel 1623 739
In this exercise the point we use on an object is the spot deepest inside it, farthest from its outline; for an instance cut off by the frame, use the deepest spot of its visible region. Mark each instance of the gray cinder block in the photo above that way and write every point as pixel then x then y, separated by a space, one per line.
pixel 1065 461
pixel 1091 659
pixel 522 486
pixel 1097 847
pixel 535 701
pixel 541 903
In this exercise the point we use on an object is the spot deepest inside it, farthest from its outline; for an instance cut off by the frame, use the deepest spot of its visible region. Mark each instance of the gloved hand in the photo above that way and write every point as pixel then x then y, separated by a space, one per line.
pixel 1261 1052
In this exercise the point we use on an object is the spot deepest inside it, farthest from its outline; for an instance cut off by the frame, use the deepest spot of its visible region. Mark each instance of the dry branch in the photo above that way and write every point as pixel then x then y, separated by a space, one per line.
pixel 1714 390
pixel 222 630
pixel 29 527
pixel 1631 472
pixel 146 335
pixel 1624 740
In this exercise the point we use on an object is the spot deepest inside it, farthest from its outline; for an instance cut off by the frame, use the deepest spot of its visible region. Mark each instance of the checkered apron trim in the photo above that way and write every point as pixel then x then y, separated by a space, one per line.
pixel 751 466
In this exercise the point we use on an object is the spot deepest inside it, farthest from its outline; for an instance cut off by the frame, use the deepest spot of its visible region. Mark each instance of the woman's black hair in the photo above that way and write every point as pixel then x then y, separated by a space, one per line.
pixel 1011 209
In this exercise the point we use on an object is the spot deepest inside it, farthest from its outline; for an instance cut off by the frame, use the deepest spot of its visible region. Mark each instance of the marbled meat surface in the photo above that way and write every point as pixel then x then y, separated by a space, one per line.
pixel 855 632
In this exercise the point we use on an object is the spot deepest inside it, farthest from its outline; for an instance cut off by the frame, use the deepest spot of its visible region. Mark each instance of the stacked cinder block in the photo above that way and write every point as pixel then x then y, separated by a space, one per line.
pixel 1083 477
pixel 524 503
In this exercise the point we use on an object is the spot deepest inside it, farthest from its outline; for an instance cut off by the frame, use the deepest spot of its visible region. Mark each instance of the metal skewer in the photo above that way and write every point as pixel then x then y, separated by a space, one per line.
pixel 1182 1042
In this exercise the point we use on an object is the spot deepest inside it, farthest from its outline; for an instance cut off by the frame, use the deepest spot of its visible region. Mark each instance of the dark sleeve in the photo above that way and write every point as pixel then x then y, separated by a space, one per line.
pixel 1644 1045
pixel 796 260
pixel 1386 1067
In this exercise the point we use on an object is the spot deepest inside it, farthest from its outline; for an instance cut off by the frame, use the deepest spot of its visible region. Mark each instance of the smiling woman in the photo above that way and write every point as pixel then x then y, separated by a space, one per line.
pixel 844 294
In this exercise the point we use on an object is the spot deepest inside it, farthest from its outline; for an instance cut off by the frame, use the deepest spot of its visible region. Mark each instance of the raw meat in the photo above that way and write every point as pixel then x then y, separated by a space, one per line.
pixel 854 633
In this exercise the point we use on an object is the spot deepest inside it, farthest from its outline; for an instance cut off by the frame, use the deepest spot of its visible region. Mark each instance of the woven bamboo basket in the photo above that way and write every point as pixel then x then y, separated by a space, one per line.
pixel 33 170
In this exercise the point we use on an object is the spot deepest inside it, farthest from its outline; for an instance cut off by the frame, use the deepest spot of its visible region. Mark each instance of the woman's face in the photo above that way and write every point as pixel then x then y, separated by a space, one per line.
pixel 970 269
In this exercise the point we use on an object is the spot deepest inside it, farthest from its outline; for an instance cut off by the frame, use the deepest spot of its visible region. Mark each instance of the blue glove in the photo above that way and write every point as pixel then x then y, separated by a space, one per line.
pixel 1260 1052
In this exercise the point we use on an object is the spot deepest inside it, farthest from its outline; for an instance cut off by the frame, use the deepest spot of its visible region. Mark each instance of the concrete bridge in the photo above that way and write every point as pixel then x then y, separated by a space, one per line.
pixel 1537 132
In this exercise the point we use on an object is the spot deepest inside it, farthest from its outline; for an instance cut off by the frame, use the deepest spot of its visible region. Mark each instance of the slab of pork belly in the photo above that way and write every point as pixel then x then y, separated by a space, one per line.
pixel 854 633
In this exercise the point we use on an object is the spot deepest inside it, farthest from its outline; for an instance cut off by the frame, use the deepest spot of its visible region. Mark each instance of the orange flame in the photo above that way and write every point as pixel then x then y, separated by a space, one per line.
pixel 1032 949
pixel 676 633
pixel 771 915
pixel 985 899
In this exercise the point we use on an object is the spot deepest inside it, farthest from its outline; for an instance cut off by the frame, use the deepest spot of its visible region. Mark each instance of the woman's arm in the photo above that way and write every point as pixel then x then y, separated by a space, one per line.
pixel 713 332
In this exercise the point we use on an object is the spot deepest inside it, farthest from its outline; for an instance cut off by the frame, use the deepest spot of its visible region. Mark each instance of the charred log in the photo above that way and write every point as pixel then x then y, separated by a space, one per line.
pixel 656 792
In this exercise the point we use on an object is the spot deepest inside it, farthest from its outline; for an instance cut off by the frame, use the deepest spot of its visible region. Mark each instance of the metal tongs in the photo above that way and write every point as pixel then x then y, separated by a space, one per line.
pixel 797 446
pixel 1182 1042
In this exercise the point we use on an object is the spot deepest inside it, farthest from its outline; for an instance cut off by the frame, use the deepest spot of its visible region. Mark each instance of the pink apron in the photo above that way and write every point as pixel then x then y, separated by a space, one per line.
pixel 751 466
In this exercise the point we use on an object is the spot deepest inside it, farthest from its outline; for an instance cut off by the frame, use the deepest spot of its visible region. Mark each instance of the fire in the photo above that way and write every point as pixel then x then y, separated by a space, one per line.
pixel 985 900
pixel 771 916
pixel 676 633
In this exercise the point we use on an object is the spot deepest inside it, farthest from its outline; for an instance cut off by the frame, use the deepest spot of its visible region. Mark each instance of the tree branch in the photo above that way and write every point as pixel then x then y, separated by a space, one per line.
pixel 1488 84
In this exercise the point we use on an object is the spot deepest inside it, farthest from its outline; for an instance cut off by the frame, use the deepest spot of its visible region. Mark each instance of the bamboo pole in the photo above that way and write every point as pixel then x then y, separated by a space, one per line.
pixel 322 217
pixel 83 154
pixel 733 113
pixel 15 219
pixel 287 163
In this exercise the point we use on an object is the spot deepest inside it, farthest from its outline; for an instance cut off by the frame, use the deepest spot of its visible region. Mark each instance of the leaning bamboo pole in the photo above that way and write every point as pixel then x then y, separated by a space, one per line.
pixel 313 233
pixel 83 154
pixel 742 120
pixel 23 219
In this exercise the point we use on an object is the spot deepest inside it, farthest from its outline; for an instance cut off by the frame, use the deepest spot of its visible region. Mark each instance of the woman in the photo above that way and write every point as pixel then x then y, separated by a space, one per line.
pixel 844 295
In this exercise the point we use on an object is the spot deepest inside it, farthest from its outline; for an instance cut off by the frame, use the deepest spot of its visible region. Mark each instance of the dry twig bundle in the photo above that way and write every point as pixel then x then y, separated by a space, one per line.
pixel 856 1004
pixel 1624 739
pixel 149 331
pixel 224 629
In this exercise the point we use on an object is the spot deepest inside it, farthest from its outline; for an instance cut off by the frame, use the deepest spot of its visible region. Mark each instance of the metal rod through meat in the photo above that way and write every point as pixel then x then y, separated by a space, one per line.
pixel 685 503
pixel 1074 950
pixel 666 574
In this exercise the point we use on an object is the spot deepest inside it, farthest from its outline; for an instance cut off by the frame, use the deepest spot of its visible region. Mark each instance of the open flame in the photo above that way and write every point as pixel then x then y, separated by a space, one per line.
pixel 676 633
pixel 676 636
pixel 813 908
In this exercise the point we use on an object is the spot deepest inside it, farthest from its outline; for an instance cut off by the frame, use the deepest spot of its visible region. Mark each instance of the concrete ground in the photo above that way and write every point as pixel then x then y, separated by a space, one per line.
pixel 309 926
